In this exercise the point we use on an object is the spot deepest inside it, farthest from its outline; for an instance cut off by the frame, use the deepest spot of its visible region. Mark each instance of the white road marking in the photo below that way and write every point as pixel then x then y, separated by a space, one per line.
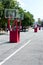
pixel 14 53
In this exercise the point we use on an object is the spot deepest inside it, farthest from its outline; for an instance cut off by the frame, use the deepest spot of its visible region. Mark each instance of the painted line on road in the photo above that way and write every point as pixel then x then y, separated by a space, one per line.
pixel 14 53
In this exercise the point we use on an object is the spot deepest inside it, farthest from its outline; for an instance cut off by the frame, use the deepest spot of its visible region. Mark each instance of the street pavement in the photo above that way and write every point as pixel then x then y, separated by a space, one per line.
pixel 29 51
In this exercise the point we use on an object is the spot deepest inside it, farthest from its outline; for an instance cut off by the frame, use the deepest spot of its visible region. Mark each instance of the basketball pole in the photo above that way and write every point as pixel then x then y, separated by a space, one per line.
pixel 9 24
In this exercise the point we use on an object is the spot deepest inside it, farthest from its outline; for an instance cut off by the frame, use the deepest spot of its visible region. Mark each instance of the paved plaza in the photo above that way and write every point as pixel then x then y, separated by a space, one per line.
pixel 29 51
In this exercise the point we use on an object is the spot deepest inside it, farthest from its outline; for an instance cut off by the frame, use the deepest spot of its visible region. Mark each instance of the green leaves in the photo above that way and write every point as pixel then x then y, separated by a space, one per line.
pixel 1 6
pixel 12 4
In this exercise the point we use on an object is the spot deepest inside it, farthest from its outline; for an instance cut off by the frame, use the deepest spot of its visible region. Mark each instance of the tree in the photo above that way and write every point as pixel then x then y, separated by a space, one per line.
pixel 1 11
pixel 13 4
pixel 10 4
pixel 28 19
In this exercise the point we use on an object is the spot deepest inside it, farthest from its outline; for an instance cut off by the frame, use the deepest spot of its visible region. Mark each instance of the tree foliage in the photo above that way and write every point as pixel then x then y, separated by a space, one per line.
pixel 28 17
pixel 10 4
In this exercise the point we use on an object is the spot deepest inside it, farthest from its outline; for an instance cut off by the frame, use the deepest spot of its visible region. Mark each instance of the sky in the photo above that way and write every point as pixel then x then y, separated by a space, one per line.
pixel 35 7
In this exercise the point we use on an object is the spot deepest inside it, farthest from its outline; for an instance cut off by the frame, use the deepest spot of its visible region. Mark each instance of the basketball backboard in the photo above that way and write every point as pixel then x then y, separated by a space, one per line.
pixel 21 16
pixel 11 13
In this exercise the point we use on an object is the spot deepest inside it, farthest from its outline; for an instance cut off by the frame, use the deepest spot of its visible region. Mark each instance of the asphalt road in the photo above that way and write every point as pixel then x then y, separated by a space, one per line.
pixel 29 51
